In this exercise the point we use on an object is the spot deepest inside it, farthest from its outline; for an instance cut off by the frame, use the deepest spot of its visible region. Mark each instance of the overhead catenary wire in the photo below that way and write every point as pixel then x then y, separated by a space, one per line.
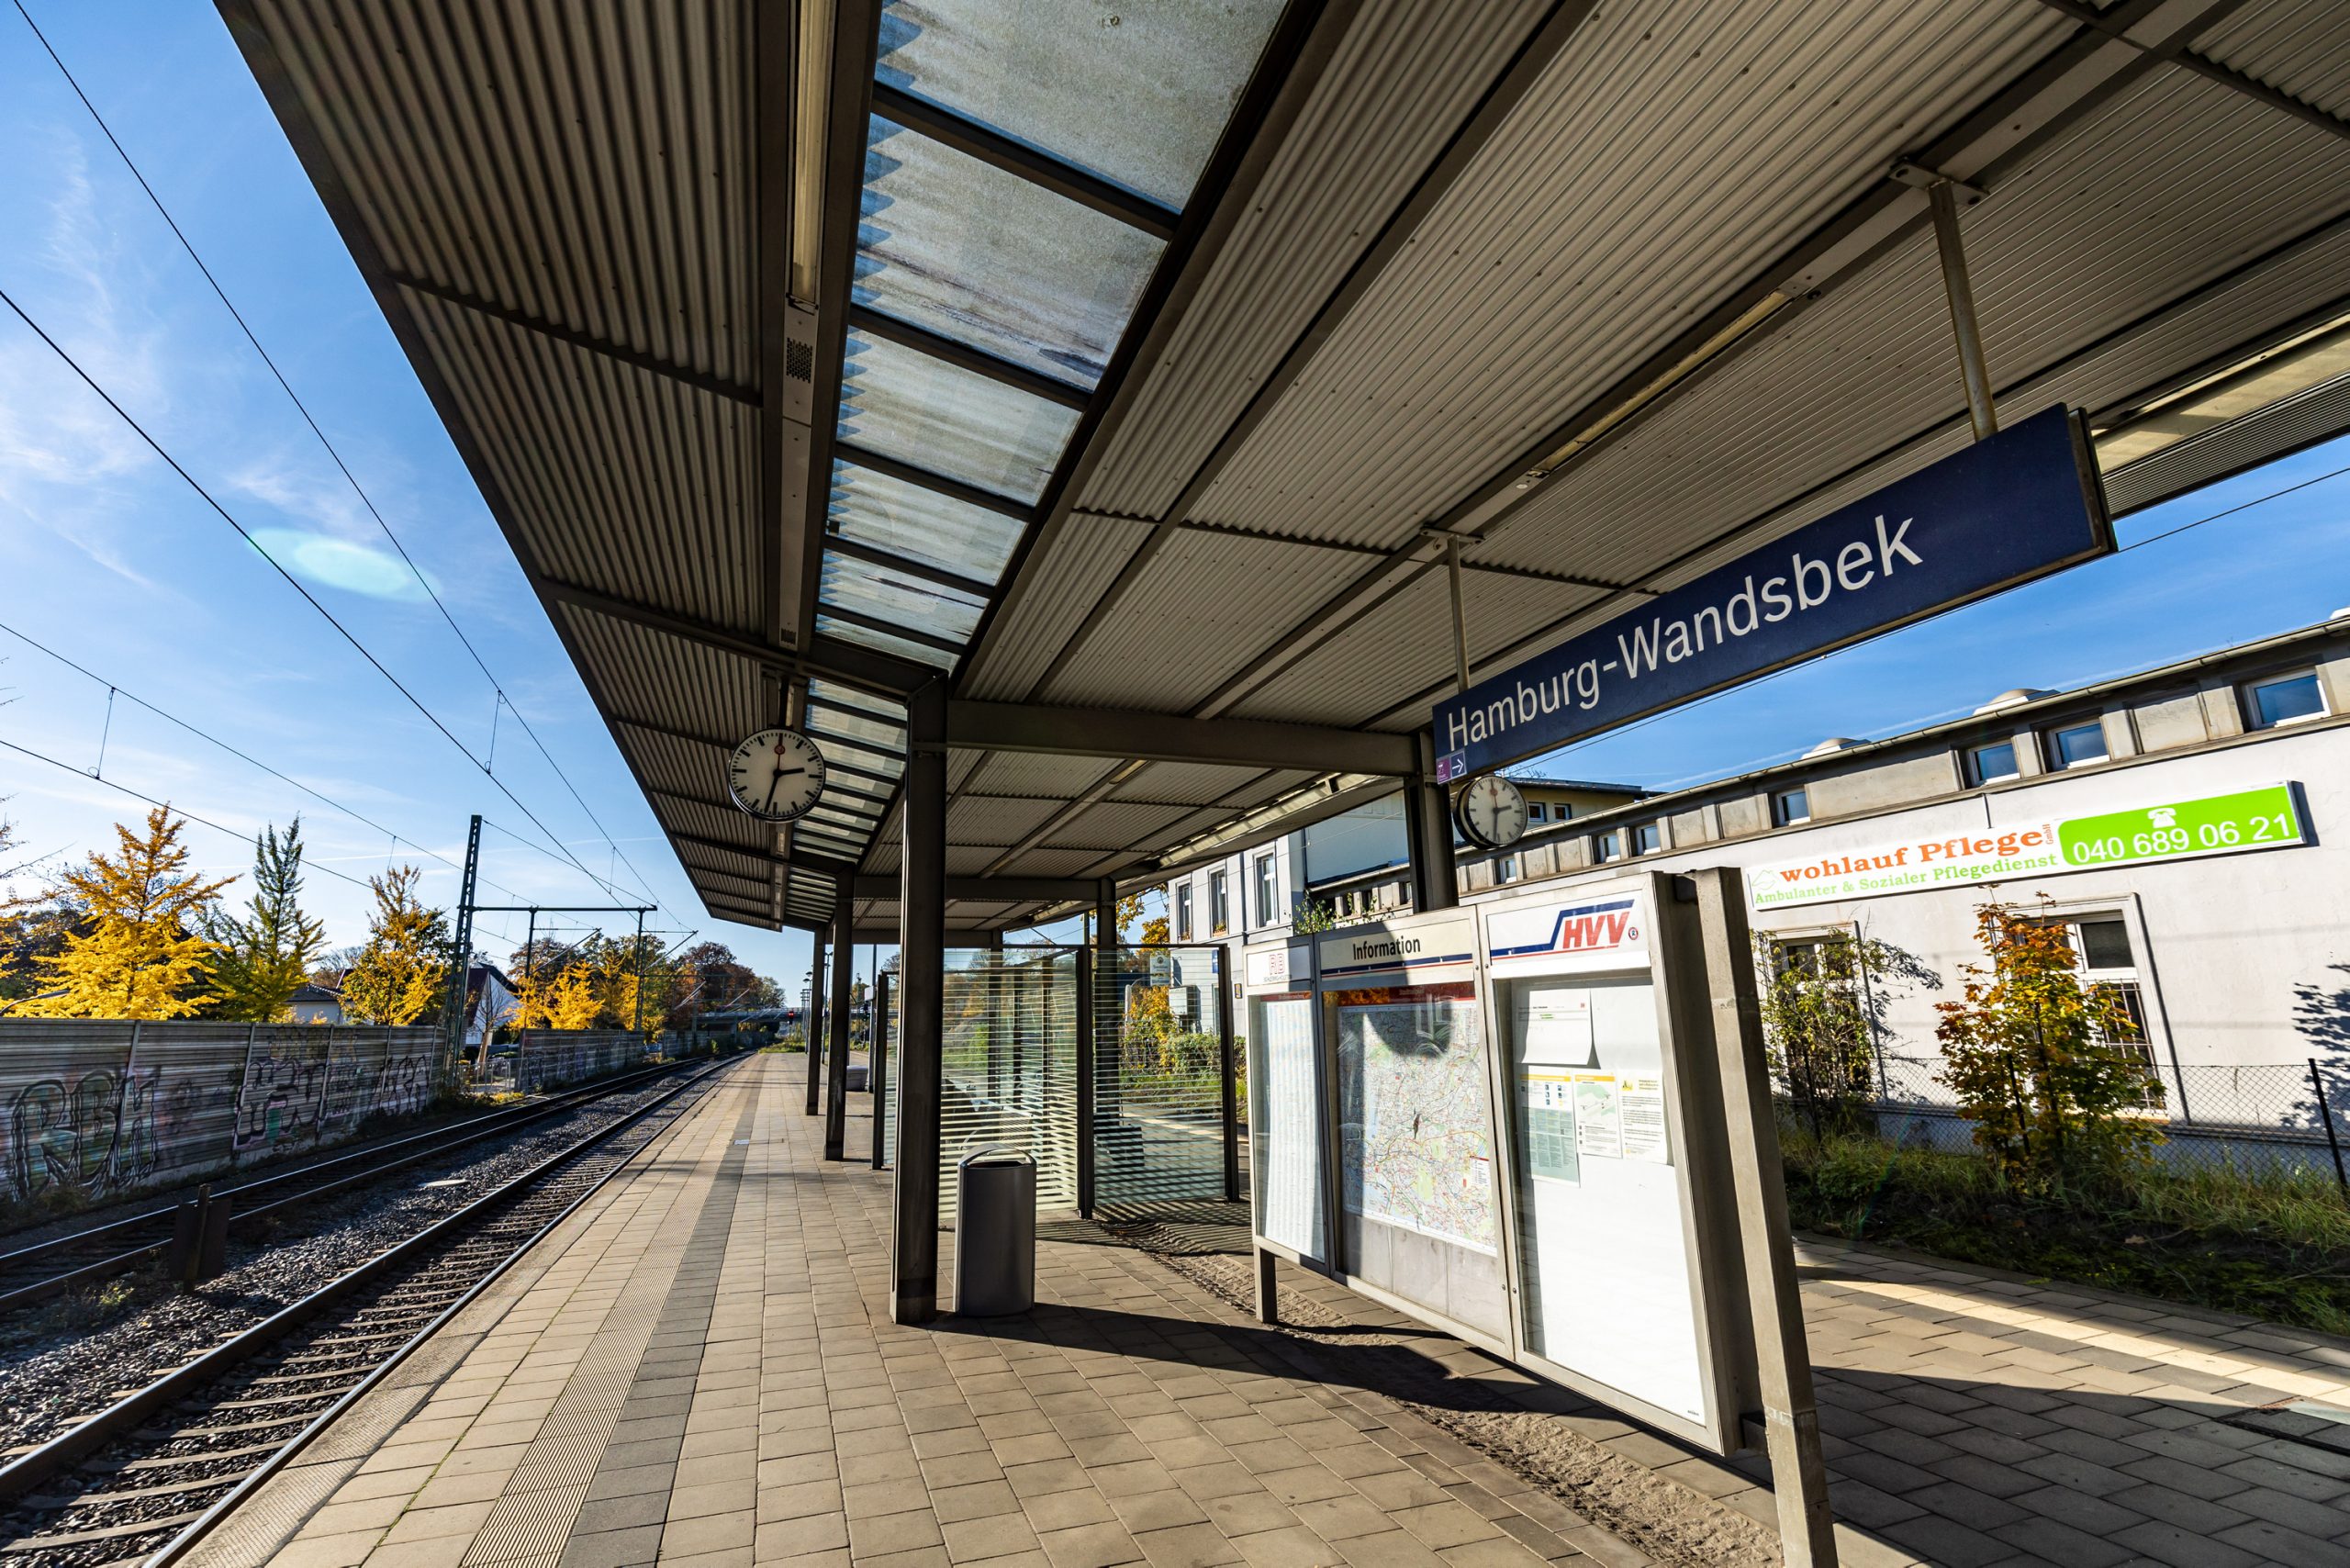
pixel 352 479
pixel 309 598
pixel 113 691
pixel 166 805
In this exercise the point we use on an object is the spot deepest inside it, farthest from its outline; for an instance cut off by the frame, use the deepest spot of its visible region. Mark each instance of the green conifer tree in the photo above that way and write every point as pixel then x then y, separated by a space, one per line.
pixel 263 957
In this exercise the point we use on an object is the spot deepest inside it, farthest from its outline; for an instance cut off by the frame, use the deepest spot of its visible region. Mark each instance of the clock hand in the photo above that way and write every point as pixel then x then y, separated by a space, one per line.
pixel 772 782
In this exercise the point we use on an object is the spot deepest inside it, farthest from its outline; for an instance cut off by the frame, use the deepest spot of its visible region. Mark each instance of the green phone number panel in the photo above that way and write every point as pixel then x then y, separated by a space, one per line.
pixel 2266 818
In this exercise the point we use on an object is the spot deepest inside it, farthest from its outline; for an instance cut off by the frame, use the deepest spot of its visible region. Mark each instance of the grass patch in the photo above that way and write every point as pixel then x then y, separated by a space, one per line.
pixel 2273 1246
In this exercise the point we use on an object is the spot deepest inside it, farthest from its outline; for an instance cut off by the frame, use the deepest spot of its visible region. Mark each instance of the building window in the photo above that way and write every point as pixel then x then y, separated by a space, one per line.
pixel 1182 911
pixel 2108 963
pixel 1608 846
pixel 1505 870
pixel 1646 839
pixel 2076 745
pixel 1536 812
pixel 1789 807
pixel 1265 890
pixel 1990 764
pixel 2283 699
pixel 1219 904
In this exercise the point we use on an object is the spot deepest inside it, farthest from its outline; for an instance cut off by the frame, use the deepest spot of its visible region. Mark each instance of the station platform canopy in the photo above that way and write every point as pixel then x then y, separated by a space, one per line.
pixel 1115 373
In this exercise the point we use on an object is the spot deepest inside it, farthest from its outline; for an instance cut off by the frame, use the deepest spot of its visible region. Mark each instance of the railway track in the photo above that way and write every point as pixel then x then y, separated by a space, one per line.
pixel 142 1480
pixel 47 1269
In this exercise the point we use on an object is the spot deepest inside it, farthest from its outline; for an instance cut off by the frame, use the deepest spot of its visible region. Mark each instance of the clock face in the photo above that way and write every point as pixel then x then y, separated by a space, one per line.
pixel 776 776
pixel 1493 813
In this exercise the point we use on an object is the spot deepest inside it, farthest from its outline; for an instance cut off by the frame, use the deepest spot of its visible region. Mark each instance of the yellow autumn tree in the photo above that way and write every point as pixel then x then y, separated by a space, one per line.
pixel 401 976
pixel 137 953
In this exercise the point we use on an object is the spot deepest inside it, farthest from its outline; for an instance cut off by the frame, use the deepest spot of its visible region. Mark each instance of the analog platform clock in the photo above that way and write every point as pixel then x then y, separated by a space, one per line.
pixel 1491 812
pixel 776 776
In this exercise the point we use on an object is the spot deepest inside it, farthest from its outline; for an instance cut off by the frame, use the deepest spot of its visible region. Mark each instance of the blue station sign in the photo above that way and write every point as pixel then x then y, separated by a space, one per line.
pixel 2023 504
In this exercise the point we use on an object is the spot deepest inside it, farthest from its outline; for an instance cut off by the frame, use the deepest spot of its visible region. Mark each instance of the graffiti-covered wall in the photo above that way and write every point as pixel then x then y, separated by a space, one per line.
pixel 106 1108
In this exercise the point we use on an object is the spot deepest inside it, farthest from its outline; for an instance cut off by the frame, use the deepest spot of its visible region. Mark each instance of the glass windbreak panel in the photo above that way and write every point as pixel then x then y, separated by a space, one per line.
pixel 1285 1125
pixel 1158 1077
pixel 900 597
pixel 866 636
pixel 1008 1067
pixel 919 525
pixel 987 258
pixel 1602 1263
pixel 1415 1163
pixel 950 420
pixel 1139 96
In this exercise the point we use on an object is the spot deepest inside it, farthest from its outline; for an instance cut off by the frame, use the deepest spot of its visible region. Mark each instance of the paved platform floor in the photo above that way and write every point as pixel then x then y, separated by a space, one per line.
pixel 699 1368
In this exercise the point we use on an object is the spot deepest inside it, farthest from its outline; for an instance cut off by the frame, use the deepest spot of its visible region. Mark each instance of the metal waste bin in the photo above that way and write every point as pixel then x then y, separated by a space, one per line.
pixel 995 1233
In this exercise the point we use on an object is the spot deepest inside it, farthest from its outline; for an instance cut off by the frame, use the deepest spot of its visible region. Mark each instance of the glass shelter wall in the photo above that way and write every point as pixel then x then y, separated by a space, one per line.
pixel 1161 1047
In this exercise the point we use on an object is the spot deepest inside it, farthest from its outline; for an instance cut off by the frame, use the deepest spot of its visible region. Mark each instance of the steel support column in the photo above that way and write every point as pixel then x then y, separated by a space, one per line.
pixel 1228 1072
pixel 815 1021
pixel 921 977
pixel 876 1072
pixel 1427 832
pixel 836 1061
pixel 1790 1410
pixel 1973 372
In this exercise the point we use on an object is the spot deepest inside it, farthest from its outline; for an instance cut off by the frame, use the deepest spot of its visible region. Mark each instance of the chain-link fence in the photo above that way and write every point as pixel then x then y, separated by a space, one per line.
pixel 2253 1118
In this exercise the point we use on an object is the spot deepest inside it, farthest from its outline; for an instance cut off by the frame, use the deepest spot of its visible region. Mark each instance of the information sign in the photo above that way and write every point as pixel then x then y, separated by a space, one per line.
pixel 2005 510
pixel 2268 816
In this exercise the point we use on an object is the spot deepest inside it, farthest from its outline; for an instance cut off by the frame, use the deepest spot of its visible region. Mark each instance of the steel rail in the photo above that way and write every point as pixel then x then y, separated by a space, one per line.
pixel 366 1163
pixel 70 1448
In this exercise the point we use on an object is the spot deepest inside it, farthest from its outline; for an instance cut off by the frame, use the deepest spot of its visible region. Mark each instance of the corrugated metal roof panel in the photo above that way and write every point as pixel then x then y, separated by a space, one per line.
pixel 1407 644
pixel 1870 366
pixel 995 819
pixel 1048 860
pixel 1114 824
pixel 1218 599
pixel 1031 773
pixel 1055 592
pixel 638 673
pixel 2289 45
pixel 615 478
pixel 1186 783
pixel 1657 167
pixel 1405 76
pixel 590 165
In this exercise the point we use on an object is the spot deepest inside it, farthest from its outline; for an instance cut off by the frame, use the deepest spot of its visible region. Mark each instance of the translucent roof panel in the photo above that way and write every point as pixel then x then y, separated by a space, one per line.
pixel 919 525
pixel 1136 94
pixel 950 420
pixel 857 714
pixel 864 636
pixel 898 598
pixel 991 260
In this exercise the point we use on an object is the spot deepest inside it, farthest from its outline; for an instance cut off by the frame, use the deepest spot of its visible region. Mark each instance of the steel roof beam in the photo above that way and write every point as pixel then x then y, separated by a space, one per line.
pixel 923 341
pixel 997 889
pixel 2014 123
pixel 2173 49
pixel 717 386
pixel 1534 58
pixel 1160 737
pixel 835 545
pixel 827 657
pixel 923 478
pixel 784 561
pixel 1017 158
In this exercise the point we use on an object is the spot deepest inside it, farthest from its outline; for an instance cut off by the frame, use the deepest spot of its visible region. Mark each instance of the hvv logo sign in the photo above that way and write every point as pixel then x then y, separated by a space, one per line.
pixel 2019 506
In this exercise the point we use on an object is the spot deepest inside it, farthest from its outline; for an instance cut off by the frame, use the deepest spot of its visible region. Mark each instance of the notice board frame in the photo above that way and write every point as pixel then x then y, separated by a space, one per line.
pixel 1668 952
pixel 1673 958
pixel 1285 968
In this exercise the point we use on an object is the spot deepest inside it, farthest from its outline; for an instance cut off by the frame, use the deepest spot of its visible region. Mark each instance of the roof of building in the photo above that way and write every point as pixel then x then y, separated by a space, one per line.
pixel 1118 378
pixel 2002 718
pixel 312 991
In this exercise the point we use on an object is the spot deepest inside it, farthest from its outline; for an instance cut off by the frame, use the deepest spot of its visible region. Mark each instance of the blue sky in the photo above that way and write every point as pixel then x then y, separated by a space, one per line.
pixel 114 561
